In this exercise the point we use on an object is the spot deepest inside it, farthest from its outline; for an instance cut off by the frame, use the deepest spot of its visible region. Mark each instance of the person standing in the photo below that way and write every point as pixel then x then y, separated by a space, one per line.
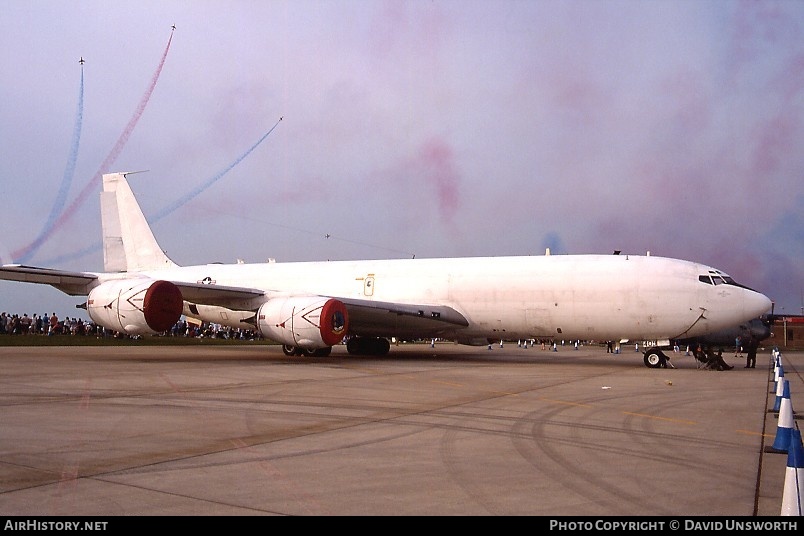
pixel 53 324
pixel 25 324
pixel 751 355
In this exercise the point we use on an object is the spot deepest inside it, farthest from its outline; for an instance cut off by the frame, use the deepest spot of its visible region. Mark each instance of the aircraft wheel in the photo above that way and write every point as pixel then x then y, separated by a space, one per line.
pixel 368 346
pixel 317 352
pixel 383 346
pixel 288 349
pixel 653 358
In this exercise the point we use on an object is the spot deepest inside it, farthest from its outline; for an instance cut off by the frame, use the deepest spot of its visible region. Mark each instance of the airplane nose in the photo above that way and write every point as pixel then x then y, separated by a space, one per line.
pixel 760 332
pixel 757 303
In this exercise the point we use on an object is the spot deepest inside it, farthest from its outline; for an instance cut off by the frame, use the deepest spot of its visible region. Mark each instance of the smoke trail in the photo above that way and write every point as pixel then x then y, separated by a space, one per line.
pixel 553 241
pixel 28 251
pixel 69 171
pixel 185 199
pixel 173 206
pixel 55 261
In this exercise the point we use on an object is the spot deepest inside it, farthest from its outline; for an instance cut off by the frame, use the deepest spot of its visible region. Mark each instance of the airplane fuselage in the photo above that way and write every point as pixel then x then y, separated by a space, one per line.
pixel 588 297
pixel 311 306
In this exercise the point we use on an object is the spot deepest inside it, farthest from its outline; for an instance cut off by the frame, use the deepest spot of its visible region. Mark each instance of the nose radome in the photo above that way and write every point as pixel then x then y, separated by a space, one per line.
pixel 757 303
pixel 760 331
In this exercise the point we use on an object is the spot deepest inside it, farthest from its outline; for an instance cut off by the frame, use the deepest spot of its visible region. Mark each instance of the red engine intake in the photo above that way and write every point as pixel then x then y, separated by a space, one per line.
pixel 305 321
pixel 135 307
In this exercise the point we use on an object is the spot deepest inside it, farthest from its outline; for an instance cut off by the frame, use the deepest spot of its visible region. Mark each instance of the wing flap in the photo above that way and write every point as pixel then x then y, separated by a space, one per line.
pixel 387 319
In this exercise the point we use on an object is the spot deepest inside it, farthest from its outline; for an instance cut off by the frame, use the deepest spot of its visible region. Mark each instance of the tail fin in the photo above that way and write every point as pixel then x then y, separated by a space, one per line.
pixel 128 243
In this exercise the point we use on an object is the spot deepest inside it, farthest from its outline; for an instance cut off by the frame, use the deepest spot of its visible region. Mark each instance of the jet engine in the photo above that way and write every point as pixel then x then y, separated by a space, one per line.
pixel 303 321
pixel 135 307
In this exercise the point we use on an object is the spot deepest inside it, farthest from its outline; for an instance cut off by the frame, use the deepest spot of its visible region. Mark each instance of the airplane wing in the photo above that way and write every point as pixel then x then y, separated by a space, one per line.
pixel 80 283
pixel 379 319
pixel 218 295
pixel 72 283
pixel 366 317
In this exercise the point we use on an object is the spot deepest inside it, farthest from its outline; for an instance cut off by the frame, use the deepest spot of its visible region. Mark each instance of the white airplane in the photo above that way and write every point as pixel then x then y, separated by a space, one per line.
pixel 309 307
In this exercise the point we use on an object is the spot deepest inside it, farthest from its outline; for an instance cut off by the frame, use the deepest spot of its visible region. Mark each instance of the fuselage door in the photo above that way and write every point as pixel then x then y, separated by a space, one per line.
pixel 368 285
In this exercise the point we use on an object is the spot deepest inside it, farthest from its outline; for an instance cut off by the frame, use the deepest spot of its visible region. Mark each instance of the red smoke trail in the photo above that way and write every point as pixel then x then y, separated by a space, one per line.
pixel 30 249
pixel 439 167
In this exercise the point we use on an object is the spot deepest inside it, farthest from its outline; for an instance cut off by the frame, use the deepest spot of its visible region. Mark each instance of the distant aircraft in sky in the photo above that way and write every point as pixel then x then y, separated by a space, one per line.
pixel 81 61
pixel 309 307
pixel 173 27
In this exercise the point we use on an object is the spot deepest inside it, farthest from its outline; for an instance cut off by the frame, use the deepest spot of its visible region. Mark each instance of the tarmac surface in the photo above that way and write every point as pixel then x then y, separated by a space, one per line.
pixel 448 430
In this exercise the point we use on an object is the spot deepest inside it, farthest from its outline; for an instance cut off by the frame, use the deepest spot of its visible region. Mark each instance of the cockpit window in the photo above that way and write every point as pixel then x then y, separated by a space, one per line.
pixel 716 277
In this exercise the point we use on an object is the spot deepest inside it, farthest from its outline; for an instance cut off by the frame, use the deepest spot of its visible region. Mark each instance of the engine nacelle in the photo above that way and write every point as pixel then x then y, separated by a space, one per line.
pixel 304 321
pixel 134 306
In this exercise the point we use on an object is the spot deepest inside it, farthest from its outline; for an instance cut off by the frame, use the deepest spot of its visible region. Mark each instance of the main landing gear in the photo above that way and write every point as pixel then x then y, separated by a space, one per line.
pixel 368 346
pixel 289 349
pixel 655 358
pixel 355 346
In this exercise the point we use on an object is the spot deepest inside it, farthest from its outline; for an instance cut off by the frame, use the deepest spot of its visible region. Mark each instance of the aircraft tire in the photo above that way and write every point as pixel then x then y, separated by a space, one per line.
pixel 383 346
pixel 315 352
pixel 368 346
pixel 653 358
pixel 289 349
pixel 353 346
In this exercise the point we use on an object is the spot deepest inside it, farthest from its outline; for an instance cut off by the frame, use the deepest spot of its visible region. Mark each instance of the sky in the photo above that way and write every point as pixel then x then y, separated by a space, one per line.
pixel 431 128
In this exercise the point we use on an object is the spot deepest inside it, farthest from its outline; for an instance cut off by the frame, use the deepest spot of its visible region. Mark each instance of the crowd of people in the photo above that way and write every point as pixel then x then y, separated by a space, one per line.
pixel 44 324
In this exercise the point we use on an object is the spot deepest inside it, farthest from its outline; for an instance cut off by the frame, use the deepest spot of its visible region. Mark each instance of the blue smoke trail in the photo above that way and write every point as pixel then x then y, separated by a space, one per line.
pixel 69 172
pixel 30 249
pixel 55 261
pixel 553 241
pixel 170 208
pixel 184 200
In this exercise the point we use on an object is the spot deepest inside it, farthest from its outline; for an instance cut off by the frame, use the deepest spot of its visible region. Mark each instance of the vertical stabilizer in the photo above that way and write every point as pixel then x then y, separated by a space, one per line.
pixel 128 243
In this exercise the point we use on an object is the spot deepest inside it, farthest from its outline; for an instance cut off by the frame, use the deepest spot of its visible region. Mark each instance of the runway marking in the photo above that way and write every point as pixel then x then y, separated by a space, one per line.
pixel 448 383
pixel 682 421
pixel 749 432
